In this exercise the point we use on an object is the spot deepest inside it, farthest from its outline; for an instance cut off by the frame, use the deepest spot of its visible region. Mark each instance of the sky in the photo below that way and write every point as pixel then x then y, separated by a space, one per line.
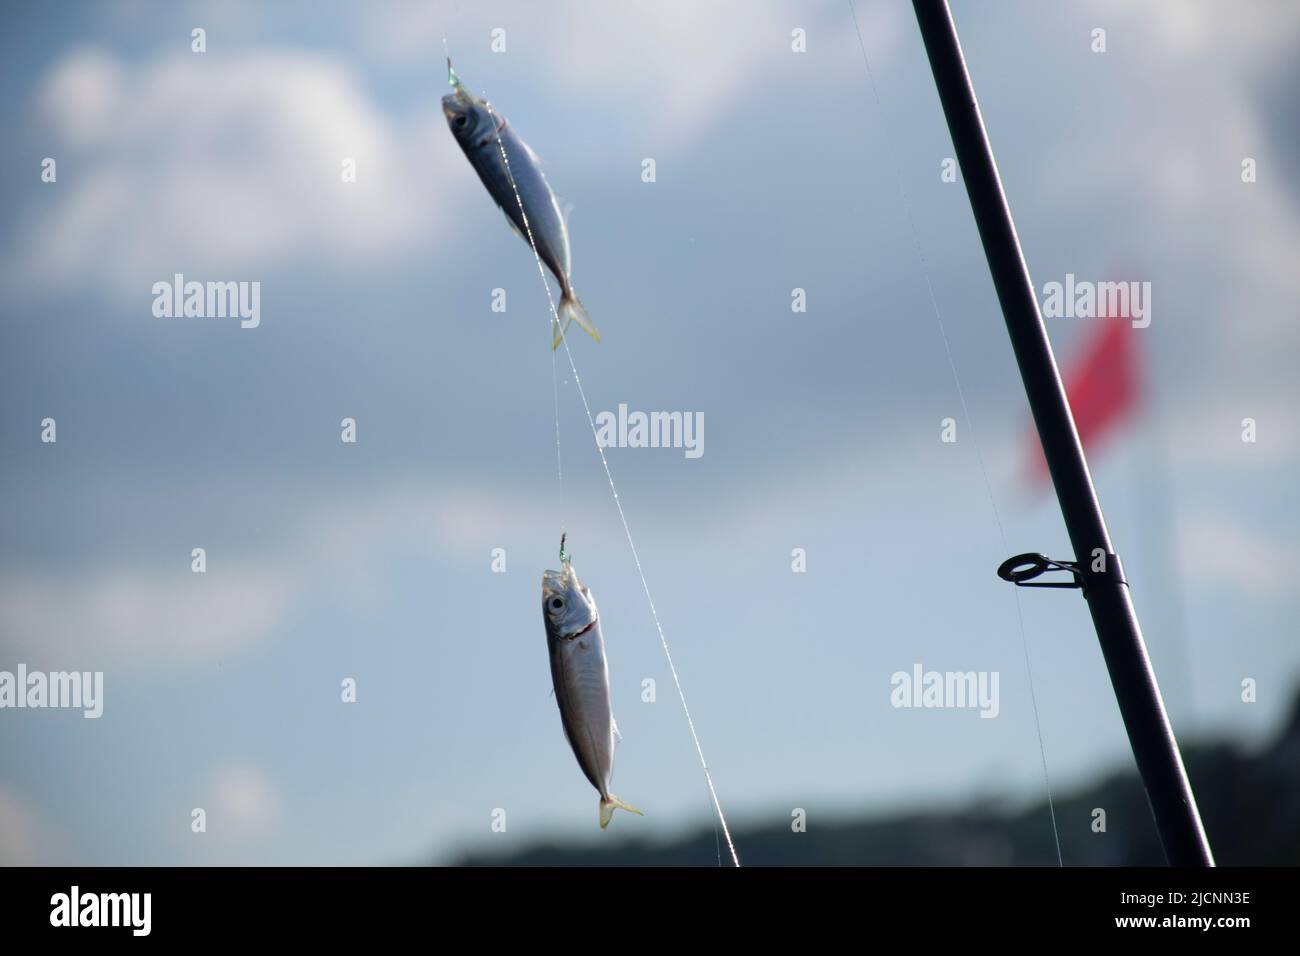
pixel 372 561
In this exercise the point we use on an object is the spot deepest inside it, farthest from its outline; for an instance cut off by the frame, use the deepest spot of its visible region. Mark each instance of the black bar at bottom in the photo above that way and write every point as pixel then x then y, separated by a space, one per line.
pixel 234 907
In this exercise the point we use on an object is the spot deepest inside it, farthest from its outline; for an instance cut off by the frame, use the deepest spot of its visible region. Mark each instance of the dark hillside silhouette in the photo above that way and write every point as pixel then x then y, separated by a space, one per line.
pixel 1250 803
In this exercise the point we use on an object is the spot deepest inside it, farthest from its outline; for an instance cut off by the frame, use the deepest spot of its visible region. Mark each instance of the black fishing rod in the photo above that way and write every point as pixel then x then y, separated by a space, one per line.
pixel 1096 569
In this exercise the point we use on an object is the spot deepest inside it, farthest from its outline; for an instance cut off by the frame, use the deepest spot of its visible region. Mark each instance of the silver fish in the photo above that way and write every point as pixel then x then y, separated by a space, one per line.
pixel 581 678
pixel 482 135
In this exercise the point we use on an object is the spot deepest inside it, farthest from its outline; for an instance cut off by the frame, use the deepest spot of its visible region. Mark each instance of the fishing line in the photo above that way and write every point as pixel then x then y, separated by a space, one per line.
pixel 559 462
pixel 555 385
pixel 717 840
pixel 970 424
pixel 609 476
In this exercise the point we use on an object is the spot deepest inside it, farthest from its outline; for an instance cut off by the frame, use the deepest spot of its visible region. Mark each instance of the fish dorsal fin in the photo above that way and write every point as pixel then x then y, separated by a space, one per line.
pixel 618 738
pixel 565 207
pixel 532 153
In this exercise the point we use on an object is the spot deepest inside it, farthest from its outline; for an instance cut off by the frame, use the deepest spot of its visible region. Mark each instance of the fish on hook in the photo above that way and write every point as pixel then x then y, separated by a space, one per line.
pixel 580 674
pixel 516 182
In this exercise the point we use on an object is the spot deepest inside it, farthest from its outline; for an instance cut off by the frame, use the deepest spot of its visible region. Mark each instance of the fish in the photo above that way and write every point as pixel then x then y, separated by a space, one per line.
pixel 580 675
pixel 528 202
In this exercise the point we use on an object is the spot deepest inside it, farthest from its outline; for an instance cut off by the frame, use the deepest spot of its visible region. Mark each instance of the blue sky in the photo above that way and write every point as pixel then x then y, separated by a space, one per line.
pixel 775 170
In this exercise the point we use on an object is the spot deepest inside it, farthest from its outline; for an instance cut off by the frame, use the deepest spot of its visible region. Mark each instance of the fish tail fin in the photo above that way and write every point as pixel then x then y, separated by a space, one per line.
pixel 609 803
pixel 571 310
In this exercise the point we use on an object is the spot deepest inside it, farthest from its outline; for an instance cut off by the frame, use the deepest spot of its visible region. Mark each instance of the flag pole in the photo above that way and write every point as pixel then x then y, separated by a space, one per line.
pixel 1097 568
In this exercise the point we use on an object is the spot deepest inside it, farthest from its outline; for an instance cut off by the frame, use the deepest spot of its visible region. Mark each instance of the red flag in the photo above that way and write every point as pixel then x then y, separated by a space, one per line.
pixel 1102 385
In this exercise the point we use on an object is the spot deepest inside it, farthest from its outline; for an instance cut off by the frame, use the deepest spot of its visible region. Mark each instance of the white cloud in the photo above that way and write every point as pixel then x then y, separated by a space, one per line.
pixel 243 804
pixel 1193 29
pixel 1176 178
pixel 147 618
pixel 82 620
pixel 1165 187
pixel 689 61
pixel 1211 439
pixel 229 164
pixel 1226 555
pixel 24 839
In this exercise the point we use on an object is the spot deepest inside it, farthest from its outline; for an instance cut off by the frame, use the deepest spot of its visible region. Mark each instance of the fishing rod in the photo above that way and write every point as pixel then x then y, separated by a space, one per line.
pixel 1097 570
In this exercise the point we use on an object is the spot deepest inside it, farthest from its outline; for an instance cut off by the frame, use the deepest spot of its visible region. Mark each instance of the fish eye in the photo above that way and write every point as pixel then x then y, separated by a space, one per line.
pixel 460 121
pixel 557 603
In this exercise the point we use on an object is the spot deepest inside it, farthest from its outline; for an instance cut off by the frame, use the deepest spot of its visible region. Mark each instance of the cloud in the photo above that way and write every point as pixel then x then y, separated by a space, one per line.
pixel 80 621
pixel 1220 554
pixel 333 550
pixel 1162 190
pixel 1213 439
pixel 688 61
pixel 94 618
pixel 24 840
pixel 224 163
pixel 1194 29
pixel 243 804
pixel 1175 179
